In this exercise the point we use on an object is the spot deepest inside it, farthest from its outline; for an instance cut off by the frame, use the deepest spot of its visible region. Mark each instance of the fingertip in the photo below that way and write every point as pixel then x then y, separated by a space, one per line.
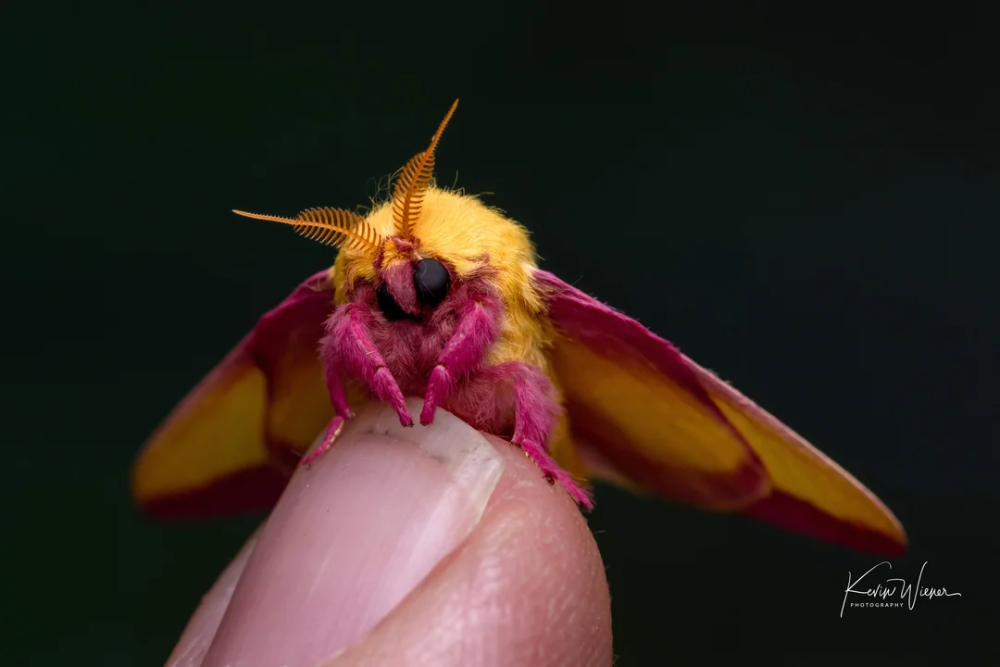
pixel 353 535
pixel 524 584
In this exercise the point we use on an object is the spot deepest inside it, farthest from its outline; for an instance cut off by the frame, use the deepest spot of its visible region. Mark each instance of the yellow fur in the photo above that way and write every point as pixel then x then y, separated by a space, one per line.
pixel 464 231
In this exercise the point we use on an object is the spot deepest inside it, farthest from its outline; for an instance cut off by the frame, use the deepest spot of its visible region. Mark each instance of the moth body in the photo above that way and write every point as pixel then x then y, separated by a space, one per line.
pixel 454 320
pixel 435 295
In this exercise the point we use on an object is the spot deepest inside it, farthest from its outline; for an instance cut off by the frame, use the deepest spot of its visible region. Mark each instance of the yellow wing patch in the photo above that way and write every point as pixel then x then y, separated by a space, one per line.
pixel 300 405
pixel 668 441
pixel 215 432
pixel 801 474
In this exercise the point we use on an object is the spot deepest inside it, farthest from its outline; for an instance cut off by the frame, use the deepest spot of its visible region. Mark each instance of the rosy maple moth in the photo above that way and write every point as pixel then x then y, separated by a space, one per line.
pixel 434 294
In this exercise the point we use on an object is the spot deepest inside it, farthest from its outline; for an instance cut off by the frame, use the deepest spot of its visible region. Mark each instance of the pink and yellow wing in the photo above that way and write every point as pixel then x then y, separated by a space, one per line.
pixel 651 417
pixel 231 444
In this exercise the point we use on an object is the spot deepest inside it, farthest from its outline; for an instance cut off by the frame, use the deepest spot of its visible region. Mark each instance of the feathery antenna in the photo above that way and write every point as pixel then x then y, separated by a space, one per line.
pixel 329 226
pixel 408 197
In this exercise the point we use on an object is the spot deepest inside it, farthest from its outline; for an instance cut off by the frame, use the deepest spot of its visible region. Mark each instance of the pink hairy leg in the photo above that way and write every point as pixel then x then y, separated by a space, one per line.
pixel 534 419
pixel 341 411
pixel 348 345
pixel 477 329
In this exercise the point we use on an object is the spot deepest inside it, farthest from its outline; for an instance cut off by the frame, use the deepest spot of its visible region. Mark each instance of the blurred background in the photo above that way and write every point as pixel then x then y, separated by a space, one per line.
pixel 825 189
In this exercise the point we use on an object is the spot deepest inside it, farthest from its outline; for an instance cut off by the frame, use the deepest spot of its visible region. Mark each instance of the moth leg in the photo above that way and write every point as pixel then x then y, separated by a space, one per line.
pixel 348 345
pixel 341 410
pixel 332 431
pixel 477 329
pixel 534 421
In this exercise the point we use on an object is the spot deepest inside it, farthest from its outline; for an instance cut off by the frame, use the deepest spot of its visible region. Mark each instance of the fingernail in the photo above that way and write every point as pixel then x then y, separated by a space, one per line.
pixel 353 535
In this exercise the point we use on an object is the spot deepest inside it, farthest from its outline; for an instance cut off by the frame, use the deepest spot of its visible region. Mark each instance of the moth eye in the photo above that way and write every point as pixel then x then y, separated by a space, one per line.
pixel 431 280
pixel 388 305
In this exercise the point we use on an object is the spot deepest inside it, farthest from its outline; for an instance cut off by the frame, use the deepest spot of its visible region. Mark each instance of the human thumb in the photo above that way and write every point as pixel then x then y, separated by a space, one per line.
pixel 426 546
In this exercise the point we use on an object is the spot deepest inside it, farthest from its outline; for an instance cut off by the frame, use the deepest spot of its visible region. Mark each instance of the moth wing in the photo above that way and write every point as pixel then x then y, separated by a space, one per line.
pixel 653 418
pixel 230 445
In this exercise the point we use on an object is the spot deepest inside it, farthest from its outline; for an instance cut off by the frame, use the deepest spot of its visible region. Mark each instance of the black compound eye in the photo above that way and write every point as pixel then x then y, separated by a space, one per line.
pixel 388 304
pixel 431 280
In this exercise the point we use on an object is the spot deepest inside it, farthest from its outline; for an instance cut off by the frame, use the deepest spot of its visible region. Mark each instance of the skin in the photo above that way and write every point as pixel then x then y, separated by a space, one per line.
pixel 525 586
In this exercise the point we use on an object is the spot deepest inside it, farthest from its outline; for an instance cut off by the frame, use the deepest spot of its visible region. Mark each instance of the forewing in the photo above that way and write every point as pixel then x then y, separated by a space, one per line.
pixel 669 427
pixel 231 443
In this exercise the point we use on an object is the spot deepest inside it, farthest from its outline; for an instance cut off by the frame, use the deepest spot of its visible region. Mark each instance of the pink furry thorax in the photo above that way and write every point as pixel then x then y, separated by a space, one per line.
pixel 441 356
pixel 411 349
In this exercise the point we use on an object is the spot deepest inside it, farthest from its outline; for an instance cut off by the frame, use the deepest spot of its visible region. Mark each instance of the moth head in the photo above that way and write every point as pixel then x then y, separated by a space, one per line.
pixel 383 248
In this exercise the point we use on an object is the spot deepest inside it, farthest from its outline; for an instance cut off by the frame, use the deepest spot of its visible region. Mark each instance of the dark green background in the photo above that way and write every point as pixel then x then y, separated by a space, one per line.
pixel 806 203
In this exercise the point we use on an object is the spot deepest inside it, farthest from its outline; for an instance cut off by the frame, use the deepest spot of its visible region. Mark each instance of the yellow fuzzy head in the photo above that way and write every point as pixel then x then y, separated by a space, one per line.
pixel 455 228
pixel 421 222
